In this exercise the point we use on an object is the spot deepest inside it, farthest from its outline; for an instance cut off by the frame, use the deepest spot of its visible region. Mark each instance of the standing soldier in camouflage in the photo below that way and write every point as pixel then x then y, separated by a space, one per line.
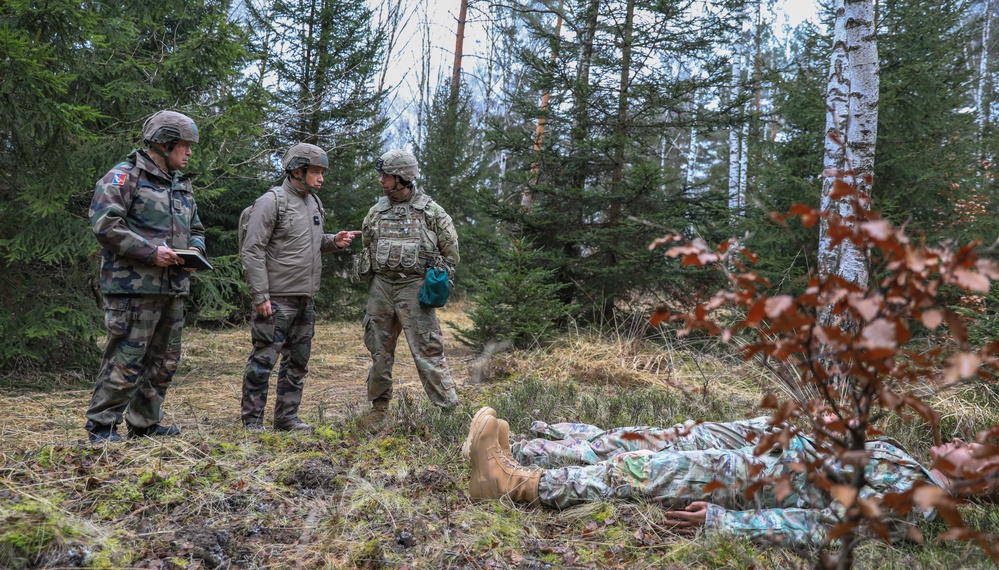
pixel 142 209
pixel 404 233
pixel 281 257
pixel 704 471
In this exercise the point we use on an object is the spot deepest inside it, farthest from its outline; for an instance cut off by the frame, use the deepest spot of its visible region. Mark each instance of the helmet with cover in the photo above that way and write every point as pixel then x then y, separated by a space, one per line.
pixel 304 155
pixel 399 163
pixel 168 127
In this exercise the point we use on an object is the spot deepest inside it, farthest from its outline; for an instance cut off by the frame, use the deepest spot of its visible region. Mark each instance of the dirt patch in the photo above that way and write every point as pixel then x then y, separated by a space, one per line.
pixel 315 473
pixel 201 544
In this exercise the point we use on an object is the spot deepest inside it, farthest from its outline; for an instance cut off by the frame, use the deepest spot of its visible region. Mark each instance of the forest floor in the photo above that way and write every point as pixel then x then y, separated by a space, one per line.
pixel 221 497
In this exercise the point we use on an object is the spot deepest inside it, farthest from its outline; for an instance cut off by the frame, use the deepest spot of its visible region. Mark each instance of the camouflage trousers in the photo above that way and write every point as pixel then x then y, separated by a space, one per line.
pixel 670 465
pixel 675 478
pixel 286 333
pixel 584 444
pixel 140 359
pixel 394 307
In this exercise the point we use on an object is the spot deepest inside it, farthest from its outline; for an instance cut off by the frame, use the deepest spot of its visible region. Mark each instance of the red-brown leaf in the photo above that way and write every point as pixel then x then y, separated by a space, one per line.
pixel 808 215
pixel 960 366
pixel 661 314
pixel 776 306
pixel 713 486
pixel 878 229
pixel 879 334
pixel 931 318
pixel 841 189
pixel 971 281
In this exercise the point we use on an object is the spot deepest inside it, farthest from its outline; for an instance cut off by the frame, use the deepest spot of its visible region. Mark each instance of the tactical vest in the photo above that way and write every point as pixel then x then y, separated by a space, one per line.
pixel 403 240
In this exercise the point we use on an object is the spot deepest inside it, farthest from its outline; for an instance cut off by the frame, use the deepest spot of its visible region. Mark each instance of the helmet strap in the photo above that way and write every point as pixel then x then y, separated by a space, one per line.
pixel 299 179
pixel 166 155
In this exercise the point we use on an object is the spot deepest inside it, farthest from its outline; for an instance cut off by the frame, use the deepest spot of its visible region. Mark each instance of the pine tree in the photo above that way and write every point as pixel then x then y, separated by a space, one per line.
pixel 324 57
pixel 599 174
pixel 452 172
pixel 81 80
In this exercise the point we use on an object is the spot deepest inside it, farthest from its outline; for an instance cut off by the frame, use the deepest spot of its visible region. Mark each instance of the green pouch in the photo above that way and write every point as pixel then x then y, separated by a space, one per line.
pixel 436 288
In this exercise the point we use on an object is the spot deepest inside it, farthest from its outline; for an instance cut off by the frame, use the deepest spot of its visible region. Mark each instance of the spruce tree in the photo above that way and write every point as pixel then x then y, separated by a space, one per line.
pixel 324 57
pixel 81 79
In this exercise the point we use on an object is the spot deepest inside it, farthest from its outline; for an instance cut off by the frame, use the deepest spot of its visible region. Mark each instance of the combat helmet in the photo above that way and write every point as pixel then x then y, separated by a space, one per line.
pixel 304 155
pixel 399 162
pixel 169 127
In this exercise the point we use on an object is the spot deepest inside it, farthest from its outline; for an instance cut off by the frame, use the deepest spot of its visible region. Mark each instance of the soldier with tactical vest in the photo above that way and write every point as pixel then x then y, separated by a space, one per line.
pixel 404 233
pixel 142 210
pixel 281 257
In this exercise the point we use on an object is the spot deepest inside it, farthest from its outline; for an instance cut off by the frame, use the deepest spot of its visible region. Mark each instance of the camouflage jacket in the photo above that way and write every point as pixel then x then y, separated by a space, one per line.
pixel 659 465
pixel 136 208
pixel 804 517
pixel 402 239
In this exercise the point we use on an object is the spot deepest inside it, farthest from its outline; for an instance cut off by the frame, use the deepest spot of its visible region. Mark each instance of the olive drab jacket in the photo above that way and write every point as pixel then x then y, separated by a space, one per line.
pixel 136 208
pixel 402 239
pixel 282 257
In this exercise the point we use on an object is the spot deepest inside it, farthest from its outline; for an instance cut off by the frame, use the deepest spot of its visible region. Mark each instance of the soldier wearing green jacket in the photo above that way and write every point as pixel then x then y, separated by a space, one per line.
pixel 404 233
pixel 702 471
pixel 142 210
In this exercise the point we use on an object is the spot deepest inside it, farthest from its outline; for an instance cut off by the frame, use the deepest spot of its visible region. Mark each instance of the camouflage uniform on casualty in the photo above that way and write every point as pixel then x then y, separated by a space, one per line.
pixel 672 466
pixel 142 210
pixel 282 262
pixel 584 444
pixel 403 233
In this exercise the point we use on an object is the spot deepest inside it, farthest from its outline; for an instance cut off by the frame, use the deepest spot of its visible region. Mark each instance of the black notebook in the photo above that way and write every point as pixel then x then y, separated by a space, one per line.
pixel 193 259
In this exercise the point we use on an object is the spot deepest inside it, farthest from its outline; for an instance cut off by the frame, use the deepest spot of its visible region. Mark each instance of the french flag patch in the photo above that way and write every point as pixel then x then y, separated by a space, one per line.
pixel 118 179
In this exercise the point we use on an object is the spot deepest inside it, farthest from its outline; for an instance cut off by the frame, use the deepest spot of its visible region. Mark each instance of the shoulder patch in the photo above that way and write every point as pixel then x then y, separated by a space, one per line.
pixel 118 179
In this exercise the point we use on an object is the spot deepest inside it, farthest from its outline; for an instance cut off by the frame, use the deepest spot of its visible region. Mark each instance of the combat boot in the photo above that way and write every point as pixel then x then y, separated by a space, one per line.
pixel 504 432
pixel 371 419
pixel 103 434
pixel 291 424
pixel 495 475
pixel 155 430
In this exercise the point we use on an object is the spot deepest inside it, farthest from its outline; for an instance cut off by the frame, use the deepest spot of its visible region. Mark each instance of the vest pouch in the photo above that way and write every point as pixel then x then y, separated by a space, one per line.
pixel 382 253
pixel 361 266
pixel 436 288
pixel 410 254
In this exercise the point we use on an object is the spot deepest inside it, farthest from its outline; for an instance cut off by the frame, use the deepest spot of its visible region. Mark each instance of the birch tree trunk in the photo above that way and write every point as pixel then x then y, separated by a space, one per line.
pixel 983 74
pixel 734 144
pixel 851 131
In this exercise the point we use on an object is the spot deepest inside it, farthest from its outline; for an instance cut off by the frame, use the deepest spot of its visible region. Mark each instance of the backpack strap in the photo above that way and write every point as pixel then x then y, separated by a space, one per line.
pixel 282 202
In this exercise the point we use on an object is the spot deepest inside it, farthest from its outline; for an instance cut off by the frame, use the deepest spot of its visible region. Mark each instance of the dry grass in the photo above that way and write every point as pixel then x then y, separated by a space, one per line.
pixel 219 497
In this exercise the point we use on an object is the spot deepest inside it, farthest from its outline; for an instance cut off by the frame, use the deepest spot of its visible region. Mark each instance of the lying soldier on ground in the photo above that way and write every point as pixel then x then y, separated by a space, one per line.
pixel 700 470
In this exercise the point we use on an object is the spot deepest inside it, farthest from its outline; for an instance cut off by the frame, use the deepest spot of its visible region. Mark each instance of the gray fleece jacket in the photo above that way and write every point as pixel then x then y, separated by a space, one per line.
pixel 282 258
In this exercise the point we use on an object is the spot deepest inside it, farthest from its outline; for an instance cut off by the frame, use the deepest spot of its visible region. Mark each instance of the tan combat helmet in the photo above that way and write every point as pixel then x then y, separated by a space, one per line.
pixel 304 155
pixel 166 127
pixel 399 163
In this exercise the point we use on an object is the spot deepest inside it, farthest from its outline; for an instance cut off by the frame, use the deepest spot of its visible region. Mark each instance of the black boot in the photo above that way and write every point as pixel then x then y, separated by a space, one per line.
pixel 103 434
pixel 155 430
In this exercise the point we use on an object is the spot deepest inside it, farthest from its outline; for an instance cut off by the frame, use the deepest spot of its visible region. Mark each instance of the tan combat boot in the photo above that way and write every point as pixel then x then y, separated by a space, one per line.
pixel 504 432
pixel 372 418
pixel 495 475
pixel 479 417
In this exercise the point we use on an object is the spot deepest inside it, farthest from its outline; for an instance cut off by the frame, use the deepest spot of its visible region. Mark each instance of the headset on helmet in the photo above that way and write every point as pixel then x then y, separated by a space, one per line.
pixel 166 127
pixel 304 155
pixel 399 163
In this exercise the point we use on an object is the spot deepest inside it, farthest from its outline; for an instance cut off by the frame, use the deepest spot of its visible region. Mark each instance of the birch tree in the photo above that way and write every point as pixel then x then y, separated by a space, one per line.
pixel 851 131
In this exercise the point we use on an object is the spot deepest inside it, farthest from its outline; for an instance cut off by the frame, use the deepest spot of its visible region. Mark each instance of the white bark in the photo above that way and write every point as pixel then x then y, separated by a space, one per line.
pixel 692 157
pixel 983 68
pixel 851 129
pixel 734 146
